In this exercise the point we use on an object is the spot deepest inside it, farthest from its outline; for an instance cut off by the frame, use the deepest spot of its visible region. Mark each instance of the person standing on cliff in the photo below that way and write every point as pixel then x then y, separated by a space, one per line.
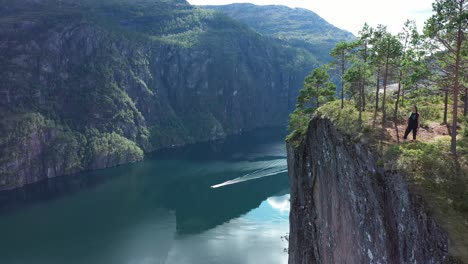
pixel 413 123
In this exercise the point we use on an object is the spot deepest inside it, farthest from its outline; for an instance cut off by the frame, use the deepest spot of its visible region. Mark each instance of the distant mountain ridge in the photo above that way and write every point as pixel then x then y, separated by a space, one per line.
pixel 298 27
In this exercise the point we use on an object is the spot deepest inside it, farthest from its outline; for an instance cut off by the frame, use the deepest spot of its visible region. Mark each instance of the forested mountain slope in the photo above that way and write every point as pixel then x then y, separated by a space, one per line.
pixel 93 84
pixel 296 27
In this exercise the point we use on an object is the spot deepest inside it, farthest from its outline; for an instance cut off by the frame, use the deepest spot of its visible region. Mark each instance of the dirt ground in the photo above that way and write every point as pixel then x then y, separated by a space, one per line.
pixel 428 133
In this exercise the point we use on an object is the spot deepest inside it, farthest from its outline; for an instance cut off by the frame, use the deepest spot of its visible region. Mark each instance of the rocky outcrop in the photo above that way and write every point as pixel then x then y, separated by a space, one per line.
pixel 346 209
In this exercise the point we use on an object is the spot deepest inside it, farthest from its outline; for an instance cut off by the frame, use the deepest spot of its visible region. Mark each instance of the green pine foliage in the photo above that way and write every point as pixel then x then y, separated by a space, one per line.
pixel 317 90
pixel 298 125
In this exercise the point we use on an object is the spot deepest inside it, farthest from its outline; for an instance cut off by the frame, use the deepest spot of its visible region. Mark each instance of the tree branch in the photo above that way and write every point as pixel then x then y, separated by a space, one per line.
pixel 446 44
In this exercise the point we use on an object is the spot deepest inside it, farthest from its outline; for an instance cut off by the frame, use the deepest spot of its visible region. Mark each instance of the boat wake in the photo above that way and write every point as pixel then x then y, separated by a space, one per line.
pixel 271 168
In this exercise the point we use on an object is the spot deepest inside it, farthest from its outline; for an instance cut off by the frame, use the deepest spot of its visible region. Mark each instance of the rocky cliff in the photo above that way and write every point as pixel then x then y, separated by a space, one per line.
pixel 346 209
pixel 93 84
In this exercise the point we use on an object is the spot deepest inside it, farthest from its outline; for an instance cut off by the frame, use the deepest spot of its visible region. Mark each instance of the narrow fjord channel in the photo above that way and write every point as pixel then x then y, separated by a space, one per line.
pixel 208 203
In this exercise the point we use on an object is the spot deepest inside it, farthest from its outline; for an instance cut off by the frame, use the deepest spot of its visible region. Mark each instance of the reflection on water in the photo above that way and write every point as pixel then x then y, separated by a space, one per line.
pixel 280 203
pixel 162 210
pixel 251 238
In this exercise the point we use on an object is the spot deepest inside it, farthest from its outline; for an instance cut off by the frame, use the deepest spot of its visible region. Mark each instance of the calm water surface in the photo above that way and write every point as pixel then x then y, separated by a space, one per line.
pixel 225 202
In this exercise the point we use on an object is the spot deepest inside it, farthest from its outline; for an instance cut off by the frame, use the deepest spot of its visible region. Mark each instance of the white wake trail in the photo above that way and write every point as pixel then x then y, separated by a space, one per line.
pixel 271 170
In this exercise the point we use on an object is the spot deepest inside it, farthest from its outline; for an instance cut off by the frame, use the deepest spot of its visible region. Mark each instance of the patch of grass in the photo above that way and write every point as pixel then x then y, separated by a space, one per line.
pixel 441 179
pixel 346 119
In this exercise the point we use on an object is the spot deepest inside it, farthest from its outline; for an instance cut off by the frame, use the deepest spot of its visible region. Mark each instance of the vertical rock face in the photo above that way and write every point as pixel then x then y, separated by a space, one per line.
pixel 345 209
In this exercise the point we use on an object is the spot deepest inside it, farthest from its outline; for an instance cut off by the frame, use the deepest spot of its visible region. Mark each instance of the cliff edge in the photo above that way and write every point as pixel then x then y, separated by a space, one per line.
pixel 347 209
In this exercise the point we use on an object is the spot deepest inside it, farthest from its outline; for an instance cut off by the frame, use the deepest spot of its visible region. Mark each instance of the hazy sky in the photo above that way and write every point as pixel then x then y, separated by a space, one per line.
pixel 351 15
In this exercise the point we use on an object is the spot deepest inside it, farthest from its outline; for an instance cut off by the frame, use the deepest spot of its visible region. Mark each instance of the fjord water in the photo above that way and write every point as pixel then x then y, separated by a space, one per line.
pixel 223 202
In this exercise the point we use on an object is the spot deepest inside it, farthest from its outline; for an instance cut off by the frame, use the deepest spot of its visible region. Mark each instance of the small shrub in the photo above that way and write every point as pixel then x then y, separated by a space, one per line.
pixel 462 204
pixel 298 123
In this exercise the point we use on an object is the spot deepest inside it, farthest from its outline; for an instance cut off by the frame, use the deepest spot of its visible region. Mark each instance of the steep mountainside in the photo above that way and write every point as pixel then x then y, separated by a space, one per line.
pixel 92 84
pixel 347 209
pixel 297 27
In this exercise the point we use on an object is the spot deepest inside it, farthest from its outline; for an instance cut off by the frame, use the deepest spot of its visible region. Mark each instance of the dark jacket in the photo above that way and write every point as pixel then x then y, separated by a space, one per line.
pixel 413 120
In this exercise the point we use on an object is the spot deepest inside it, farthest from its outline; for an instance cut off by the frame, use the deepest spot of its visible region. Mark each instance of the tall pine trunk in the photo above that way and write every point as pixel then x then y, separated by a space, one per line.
pixel 318 105
pixel 465 103
pixel 361 93
pixel 395 112
pixel 453 143
pixel 444 121
pixel 402 98
pixel 342 81
pixel 376 97
pixel 377 89
pixel 384 114
pixel 363 97
pixel 365 81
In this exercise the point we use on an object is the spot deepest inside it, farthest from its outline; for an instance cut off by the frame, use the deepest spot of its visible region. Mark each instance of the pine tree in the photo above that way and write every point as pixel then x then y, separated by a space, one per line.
pixel 317 89
pixel 447 28
pixel 342 54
